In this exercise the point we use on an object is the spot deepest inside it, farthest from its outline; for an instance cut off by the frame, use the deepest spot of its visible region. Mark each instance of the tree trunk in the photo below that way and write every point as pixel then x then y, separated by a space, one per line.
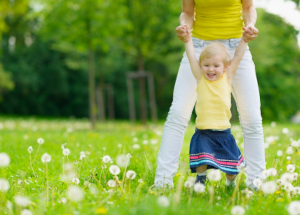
pixel 142 91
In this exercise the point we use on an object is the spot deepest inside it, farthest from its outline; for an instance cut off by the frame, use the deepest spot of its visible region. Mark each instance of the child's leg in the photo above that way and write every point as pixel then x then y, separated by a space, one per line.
pixel 201 169
pixel 230 179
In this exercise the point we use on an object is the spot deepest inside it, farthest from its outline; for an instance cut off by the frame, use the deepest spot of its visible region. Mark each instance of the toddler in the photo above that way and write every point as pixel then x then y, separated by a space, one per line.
pixel 212 145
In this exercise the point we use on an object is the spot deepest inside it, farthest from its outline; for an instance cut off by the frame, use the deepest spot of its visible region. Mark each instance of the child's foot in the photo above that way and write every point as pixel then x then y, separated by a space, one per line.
pixel 200 179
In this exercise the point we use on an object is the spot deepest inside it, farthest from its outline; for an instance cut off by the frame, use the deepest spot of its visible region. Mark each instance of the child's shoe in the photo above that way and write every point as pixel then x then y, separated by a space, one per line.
pixel 200 179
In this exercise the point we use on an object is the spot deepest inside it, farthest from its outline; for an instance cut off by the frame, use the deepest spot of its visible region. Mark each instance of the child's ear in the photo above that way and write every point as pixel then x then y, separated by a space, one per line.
pixel 227 66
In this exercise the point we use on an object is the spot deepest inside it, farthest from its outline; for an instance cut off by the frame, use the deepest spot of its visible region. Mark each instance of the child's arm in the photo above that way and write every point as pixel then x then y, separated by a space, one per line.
pixel 190 52
pixel 238 55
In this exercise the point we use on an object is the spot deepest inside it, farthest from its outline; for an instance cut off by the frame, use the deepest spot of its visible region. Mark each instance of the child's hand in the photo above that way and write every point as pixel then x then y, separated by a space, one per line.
pixel 183 33
pixel 250 33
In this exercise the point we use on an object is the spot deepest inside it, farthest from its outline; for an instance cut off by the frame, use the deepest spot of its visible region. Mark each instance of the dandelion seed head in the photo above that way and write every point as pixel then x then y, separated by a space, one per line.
pixel 295 175
pixel 82 157
pixel 199 188
pixel 272 172
pixel 287 178
pixel 214 175
pixel 290 168
pixel 66 151
pixel 288 187
pixel 4 160
pixel 269 187
pixel 114 169
pixel 141 181
pixel 289 151
pixel 30 149
pixel 22 201
pixel 288 158
pixel 122 160
pixel 188 184
pixel 279 153
pixel 294 208
pixel 63 146
pixel 273 124
pixel 9 205
pixel 136 146
pixel 76 181
pixel 46 158
pixel 285 130
pixel 26 212
pixel 237 210
pixel 129 155
pixel 163 201
pixel 75 193
pixel 130 174
pixel 63 200
pixel 4 185
pixel 295 143
pixel 153 141
pixel 296 190
pixel 106 159
pixel 111 183
pixel 258 183
pixel 40 140
pixel 145 142
pixel 94 190
pixel 135 139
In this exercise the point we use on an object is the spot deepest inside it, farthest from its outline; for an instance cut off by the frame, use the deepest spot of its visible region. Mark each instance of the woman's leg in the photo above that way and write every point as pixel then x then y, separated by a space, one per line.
pixel 246 94
pixel 184 98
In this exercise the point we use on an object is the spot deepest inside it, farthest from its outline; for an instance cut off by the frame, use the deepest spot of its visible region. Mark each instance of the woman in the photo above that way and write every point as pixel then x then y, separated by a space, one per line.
pixel 220 20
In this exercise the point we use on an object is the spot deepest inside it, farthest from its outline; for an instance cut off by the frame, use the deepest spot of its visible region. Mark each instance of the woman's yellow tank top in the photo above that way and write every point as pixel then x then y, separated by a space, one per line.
pixel 213 103
pixel 218 19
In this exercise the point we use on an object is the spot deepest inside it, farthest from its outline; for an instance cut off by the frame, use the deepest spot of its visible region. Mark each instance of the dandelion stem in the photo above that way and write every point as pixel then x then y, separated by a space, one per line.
pixel 32 167
pixel 47 184
pixel 35 155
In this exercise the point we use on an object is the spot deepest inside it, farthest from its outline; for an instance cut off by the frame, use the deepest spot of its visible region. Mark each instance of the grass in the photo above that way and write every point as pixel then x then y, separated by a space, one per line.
pixel 130 196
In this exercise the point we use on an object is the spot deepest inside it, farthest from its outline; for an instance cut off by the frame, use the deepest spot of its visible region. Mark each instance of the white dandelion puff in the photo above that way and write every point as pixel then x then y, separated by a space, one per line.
pixel 136 146
pixel 285 130
pixel 290 168
pixel 294 208
pixel 153 141
pixel 30 149
pixel 106 159
pixel 94 190
pixel 214 175
pixel 4 185
pixel 163 201
pixel 26 212
pixel 296 191
pixel 289 151
pixel 237 210
pixel 111 183
pixel 286 178
pixel 46 158
pixel 272 172
pixel 273 124
pixel 63 200
pixel 130 174
pixel 40 140
pixel 145 142
pixel 63 146
pixel 76 181
pixel 141 181
pixel 129 155
pixel 279 153
pixel 9 205
pixel 66 151
pixel 188 184
pixel 22 201
pixel 122 160
pixel 135 139
pixel 295 175
pixel 114 169
pixel 75 193
pixel 269 187
pixel 288 158
pixel 288 187
pixel 258 183
pixel 295 143
pixel 82 157
pixel 199 188
pixel 4 160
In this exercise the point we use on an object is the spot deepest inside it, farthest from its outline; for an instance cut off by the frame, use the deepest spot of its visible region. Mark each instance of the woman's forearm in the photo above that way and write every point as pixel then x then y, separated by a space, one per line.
pixel 249 14
pixel 186 18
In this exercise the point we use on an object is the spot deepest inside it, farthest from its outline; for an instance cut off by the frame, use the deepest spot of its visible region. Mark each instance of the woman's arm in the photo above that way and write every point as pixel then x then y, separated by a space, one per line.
pixel 249 15
pixel 238 55
pixel 186 18
pixel 195 67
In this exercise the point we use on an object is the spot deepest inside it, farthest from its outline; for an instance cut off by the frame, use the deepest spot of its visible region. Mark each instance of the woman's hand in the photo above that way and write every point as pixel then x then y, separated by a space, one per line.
pixel 250 33
pixel 183 33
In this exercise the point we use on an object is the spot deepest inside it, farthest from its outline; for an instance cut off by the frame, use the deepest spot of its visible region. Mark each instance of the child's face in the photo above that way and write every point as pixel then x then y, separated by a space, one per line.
pixel 213 67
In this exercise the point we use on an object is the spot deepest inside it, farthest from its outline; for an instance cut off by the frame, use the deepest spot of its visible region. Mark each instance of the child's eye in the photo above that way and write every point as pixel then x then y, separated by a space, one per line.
pixel 216 65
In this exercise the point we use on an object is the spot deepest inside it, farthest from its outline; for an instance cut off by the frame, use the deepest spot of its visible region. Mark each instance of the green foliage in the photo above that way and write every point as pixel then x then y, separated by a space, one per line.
pixel 5 81
pixel 277 59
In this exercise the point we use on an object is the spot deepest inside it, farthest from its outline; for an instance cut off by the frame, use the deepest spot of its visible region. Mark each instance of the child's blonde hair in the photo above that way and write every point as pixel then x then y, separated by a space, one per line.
pixel 213 49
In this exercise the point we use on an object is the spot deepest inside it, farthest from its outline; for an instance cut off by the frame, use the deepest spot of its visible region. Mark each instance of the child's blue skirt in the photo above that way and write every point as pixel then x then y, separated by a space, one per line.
pixel 216 149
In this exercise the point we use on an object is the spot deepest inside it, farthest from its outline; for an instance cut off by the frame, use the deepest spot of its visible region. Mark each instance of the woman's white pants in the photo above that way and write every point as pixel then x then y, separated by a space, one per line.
pixel 246 94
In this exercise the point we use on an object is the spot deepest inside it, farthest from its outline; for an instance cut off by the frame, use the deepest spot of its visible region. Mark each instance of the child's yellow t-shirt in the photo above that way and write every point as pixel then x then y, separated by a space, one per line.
pixel 213 103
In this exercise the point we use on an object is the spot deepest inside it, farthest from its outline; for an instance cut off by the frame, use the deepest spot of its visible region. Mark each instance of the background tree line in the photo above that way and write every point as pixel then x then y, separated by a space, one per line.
pixel 54 53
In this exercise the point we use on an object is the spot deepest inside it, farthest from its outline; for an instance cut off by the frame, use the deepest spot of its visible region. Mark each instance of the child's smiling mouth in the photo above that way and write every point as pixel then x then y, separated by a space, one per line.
pixel 211 75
